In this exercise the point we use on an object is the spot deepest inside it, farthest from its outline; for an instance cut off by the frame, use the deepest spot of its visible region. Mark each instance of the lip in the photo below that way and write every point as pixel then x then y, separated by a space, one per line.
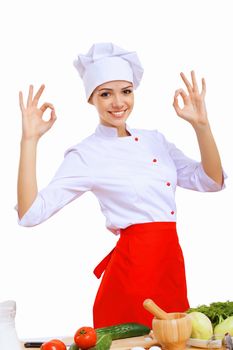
pixel 118 114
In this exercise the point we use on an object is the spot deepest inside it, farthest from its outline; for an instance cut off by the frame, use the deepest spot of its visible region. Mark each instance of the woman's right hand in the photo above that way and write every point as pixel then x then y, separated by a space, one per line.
pixel 33 124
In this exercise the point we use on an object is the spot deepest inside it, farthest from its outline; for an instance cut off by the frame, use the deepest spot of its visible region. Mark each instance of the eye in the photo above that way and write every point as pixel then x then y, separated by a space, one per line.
pixel 127 91
pixel 105 94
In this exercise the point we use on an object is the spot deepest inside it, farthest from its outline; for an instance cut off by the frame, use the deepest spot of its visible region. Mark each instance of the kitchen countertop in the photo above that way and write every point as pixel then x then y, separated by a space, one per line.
pixel 122 344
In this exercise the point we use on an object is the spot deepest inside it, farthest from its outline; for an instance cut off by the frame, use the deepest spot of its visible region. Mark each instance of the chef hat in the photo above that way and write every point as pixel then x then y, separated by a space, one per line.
pixel 107 62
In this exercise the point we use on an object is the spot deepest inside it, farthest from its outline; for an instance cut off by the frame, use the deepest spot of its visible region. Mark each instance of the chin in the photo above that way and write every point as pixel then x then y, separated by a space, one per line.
pixel 119 123
pixel 114 122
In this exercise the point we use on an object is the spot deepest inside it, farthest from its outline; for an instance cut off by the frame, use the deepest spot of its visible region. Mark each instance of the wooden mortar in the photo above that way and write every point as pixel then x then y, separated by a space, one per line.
pixel 172 330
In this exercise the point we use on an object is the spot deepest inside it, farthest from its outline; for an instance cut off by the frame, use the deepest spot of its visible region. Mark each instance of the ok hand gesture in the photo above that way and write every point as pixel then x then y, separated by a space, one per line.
pixel 33 125
pixel 194 109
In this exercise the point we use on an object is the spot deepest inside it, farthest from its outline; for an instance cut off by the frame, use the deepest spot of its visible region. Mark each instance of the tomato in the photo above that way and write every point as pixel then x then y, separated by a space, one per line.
pixel 85 337
pixel 53 344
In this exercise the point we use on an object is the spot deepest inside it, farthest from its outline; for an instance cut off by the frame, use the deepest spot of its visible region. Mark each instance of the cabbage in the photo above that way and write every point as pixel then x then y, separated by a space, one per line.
pixel 225 326
pixel 201 326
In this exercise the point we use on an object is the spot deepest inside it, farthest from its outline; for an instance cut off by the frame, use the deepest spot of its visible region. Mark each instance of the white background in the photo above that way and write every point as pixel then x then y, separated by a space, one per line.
pixel 48 269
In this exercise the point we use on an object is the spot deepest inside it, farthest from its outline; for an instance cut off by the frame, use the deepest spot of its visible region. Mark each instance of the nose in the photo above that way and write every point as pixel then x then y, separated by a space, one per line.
pixel 118 101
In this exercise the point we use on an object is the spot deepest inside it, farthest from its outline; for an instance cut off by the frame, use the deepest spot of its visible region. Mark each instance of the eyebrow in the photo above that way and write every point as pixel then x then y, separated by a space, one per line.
pixel 130 86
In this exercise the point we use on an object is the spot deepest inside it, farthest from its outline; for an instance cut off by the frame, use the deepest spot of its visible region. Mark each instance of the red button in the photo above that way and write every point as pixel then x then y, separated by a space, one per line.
pixel 154 160
pixel 172 212
pixel 168 184
pixel 136 138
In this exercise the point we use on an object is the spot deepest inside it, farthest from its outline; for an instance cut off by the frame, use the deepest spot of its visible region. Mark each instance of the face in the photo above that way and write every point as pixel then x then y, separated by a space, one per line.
pixel 114 102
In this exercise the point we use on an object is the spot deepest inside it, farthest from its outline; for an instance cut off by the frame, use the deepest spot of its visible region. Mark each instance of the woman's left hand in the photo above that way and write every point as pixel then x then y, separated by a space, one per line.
pixel 194 109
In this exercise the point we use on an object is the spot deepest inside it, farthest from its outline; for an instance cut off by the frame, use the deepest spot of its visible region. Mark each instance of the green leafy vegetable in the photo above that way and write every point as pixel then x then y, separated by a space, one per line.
pixel 217 311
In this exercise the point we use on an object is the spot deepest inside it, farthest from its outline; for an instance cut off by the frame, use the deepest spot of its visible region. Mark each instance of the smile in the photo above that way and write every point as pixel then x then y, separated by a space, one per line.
pixel 118 114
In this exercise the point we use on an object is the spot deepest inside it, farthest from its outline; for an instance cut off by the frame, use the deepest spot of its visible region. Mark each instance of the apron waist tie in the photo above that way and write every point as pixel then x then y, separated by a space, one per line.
pixel 101 267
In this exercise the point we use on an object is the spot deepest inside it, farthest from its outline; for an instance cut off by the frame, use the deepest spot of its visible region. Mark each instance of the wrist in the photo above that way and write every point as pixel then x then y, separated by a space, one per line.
pixel 201 127
pixel 32 141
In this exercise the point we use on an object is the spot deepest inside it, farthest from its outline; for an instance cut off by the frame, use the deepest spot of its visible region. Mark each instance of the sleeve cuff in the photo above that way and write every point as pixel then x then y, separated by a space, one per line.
pixel 30 218
pixel 209 184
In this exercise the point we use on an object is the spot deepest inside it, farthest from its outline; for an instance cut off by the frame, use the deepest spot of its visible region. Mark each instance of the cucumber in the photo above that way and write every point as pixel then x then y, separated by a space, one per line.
pixel 104 342
pixel 74 347
pixel 124 330
pixel 105 335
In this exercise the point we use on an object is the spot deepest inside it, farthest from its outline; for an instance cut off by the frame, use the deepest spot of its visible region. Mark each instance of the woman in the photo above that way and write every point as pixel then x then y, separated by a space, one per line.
pixel 133 173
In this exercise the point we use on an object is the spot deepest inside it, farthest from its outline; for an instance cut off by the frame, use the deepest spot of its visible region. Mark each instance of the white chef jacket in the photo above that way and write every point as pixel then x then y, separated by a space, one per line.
pixel 134 178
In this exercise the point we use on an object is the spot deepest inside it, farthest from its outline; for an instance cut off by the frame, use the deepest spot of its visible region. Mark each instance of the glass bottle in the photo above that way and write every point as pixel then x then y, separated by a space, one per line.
pixel 8 335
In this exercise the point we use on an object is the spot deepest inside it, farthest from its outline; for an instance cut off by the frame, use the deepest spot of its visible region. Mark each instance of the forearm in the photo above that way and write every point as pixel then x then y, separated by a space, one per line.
pixel 194 111
pixel 210 157
pixel 27 183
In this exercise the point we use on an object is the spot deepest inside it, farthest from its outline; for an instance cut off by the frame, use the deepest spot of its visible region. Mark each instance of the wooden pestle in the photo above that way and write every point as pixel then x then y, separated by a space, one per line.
pixel 155 310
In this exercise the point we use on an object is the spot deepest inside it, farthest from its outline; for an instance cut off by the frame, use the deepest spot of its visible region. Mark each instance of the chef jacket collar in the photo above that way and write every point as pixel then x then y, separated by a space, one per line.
pixel 108 131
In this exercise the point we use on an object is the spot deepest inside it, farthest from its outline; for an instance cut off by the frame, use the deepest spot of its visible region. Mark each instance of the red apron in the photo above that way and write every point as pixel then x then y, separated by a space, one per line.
pixel 147 262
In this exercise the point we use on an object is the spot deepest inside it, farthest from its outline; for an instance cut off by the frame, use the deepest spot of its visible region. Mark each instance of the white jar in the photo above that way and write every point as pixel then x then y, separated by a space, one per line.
pixel 8 336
